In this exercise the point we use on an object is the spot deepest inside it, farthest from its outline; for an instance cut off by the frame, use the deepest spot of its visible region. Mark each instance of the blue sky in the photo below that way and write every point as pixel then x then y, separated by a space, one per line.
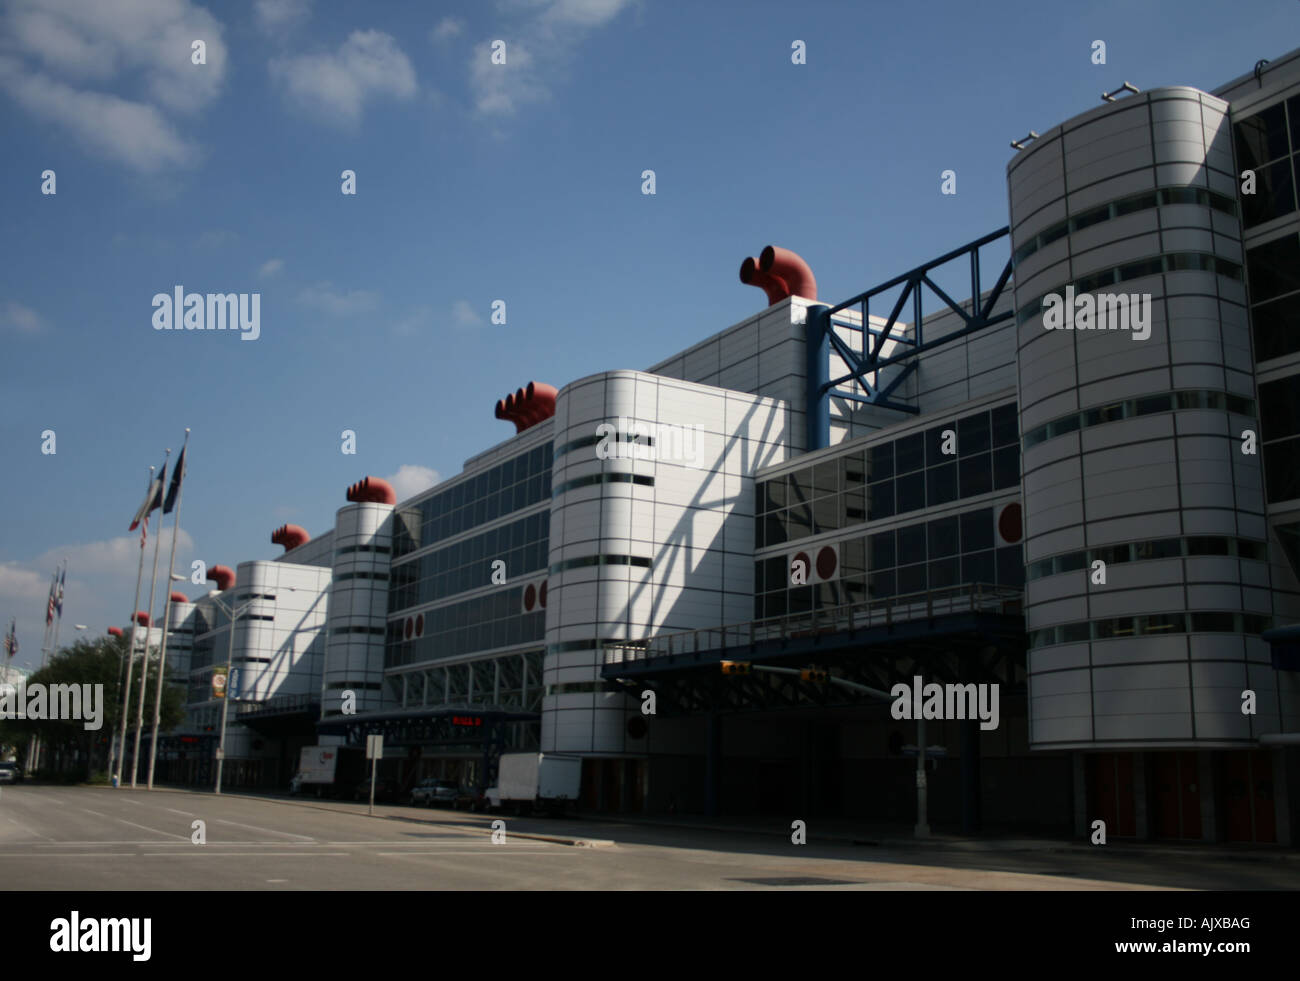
pixel 475 182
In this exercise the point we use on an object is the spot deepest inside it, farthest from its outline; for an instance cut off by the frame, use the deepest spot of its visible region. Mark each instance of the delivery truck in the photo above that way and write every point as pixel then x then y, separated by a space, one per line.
pixel 536 782
pixel 327 771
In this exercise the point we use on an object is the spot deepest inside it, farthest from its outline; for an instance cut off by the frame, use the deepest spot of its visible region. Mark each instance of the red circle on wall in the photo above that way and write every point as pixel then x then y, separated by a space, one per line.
pixel 807 566
pixel 530 597
pixel 827 562
pixel 419 625
pixel 1009 523
pixel 541 595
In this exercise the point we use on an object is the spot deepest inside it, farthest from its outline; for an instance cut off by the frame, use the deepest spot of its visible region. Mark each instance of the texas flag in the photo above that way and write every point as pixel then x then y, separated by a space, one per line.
pixel 152 501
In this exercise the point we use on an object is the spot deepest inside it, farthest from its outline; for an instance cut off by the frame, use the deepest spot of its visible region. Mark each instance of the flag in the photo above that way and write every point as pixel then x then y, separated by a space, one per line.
pixel 49 606
pixel 178 474
pixel 58 600
pixel 152 501
pixel 11 639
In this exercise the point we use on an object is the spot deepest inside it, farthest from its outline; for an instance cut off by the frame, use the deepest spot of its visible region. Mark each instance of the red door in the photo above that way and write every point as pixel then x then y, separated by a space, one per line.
pixel 1112 793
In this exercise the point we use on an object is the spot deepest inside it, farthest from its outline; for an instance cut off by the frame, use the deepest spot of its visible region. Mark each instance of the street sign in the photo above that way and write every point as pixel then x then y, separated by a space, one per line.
pixel 375 747
pixel 235 679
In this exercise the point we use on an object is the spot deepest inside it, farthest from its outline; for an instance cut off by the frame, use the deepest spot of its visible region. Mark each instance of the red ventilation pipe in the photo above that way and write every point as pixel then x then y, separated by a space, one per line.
pixel 222 575
pixel 290 536
pixel 503 413
pixel 141 618
pixel 179 597
pixel 543 396
pixel 774 286
pixel 790 267
pixel 375 490
pixel 528 406
pixel 115 631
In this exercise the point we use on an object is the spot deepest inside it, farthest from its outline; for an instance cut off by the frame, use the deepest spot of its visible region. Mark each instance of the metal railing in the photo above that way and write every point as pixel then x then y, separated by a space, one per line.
pixel 965 598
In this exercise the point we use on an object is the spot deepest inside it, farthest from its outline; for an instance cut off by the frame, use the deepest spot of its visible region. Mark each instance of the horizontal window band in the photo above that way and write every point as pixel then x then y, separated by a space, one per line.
pixel 1145 405
pixel 591 480
pixel 1121 207
pixel 590 560
pixel 1159 624
pixel 1192 546
pixel 1139 269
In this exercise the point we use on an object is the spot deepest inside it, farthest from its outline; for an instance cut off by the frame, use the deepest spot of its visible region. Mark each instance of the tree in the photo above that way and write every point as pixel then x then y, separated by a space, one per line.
pixel 101 661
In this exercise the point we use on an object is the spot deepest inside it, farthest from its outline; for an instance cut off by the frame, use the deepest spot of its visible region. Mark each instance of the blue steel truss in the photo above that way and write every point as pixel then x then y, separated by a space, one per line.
pixel 821 337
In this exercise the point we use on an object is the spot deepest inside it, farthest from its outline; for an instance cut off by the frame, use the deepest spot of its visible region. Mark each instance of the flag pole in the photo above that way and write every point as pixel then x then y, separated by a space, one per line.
pixel 144 668
pixel 130 659
pixel 179 477
pixel 58 596
pixel 34 747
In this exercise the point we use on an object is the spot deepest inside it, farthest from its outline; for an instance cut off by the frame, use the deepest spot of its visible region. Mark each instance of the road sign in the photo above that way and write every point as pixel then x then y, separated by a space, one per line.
pixel 375 747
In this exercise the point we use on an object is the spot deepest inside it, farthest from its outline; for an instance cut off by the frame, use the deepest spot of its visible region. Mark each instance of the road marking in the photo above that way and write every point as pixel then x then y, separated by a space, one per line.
pixel 174 811
pixel 31 831
pixel 205 853
pixel 269 831
pixel 96 813
pixel 156 831
pixel 277 880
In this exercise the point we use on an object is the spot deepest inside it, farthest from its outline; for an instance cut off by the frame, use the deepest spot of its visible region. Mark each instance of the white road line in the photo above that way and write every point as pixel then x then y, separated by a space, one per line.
pixel 96 813
pixel 174 811
pixel 219 854
pixel 156 831
pixel 269 831
pixel 31 831
pixel 492 850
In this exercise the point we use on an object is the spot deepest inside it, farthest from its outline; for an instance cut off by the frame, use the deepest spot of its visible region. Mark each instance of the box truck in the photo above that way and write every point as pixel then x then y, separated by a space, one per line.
pixel 536 781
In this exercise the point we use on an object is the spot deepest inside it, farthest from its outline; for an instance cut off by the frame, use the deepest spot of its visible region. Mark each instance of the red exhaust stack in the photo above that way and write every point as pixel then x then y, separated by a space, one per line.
pixel 527 407
pixel 179 597
pixel 375 490
pixel 223 576
pixel 290 536
pixel 779 273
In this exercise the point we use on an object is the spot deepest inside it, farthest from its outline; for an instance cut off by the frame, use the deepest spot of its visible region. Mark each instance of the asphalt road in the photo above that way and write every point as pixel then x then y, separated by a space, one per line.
pixel 86 838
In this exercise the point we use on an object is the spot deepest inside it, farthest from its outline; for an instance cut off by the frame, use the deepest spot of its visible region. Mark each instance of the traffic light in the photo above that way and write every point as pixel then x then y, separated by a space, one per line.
pixel 736 667
pixel 813 674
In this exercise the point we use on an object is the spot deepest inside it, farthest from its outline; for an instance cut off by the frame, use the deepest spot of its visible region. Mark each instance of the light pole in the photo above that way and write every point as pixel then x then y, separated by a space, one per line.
pixel 225 704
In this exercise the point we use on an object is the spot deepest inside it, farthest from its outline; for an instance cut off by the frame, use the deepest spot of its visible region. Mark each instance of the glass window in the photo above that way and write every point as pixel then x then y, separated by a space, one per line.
pixel 1164 548
pixel 1074 633
pixel 1293 110
pixel 881 553
pixel 1006 467
pixel 826 477
pixel 773 529
pixel 800 484
pixel 880 500
pixel 826 514
pixel 934 441
pixel 978 567
pixel 853 471
pixel 880 462
pixel 1274 268
pixel 942 534
pixel 773 494
pixel 1152 404
pixel 1279 409
pixel 975 474
pixel 798 521
pixel 1011 566
pixel 1282 470
pixel 853 508
pixel 1206 546
pixel 974 434
pixel 775 604
pixel 800 599
pixel 880 584
pixel 911 544
pixel 941 484
pixel 1094 217
pixel 1262 137
pixel 944 572
pixel 909 453
pixel 1277 327
pixel 977 530
pixel 911 579
pixel 1212 623
pixel 1142 202
pixel 1274 194
pixel 910 492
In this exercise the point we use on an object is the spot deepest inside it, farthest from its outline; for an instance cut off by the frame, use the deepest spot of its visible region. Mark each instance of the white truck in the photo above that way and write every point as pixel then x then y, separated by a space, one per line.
pixel 536 781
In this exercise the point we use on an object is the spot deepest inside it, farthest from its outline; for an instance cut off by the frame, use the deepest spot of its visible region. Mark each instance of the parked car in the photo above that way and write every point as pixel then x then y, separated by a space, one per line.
pixel 433 790
pixel 469 798
pixel 11 773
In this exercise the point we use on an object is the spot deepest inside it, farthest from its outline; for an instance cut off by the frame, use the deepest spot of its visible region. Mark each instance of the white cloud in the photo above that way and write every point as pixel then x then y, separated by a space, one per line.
pixel 99 589
pixel 538 48
pixel 337 86
pixel 131 133
pixel 464 315
pixel 414 322
pixel 324 297
pixel 411 478
pixel 15 316
pixel 448 28
pixel 275 15
pixel 270 267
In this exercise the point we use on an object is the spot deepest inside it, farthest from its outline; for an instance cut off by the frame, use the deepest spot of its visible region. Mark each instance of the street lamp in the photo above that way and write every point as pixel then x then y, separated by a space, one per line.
pixel 225 704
